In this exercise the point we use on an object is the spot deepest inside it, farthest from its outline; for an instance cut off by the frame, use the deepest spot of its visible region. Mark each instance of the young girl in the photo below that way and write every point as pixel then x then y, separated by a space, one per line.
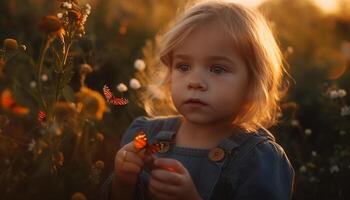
pixel 224 80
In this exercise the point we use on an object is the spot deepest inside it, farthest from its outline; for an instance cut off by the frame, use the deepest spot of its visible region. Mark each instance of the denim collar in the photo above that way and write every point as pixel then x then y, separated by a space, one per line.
pixel 229 144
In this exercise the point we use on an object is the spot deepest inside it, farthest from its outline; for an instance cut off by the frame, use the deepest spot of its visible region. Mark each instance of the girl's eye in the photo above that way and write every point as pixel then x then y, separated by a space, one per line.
pixel 218 69
pixel 183 67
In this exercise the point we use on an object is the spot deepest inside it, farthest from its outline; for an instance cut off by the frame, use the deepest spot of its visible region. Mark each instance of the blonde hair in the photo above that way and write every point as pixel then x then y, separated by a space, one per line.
pixel 251 34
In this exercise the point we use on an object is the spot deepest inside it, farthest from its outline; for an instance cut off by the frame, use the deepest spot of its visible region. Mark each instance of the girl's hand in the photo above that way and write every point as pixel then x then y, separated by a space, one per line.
pixel 128 163
pixel 171 180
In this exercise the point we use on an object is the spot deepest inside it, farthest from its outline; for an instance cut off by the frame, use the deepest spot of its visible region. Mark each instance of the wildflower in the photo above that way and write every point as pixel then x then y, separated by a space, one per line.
pixel 65 114
pixel 31 145
pixel 345 110
pixel 92 103
pixel 23 47
pixel 341 93
pixel 74 16
pixel 52 26
pixel 59 15
pixel 308 131
pixel 87 8
pixel 54 129
pixel 294 122
pixel 58 159
pixel 85 68
pixel 121 87
pixel 66 5
pixel 334 169
pixel 8 103
pixel 312 179
pixel 342 132
pixel 100 137
pixel 10 44
pixel 123 29
pixel 139 64
pixel 134 84
pixel 32 84
pixel 44 77
pixel 314 153
pixel 78 196
pixel 333 94
pixel 100 165
pixel 302 168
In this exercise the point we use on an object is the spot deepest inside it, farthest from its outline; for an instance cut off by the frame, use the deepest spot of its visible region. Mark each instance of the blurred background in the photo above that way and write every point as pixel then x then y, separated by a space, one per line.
pixel 314 126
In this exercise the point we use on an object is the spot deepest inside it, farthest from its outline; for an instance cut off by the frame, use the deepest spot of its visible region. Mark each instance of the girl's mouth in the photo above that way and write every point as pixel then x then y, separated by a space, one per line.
pixel 195 102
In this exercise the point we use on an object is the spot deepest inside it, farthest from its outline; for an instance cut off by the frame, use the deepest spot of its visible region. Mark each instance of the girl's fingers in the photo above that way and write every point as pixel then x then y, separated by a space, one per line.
pixel 159 188
pixel 128 156
pixel 166 177
pixel 128 167
pixel 171 165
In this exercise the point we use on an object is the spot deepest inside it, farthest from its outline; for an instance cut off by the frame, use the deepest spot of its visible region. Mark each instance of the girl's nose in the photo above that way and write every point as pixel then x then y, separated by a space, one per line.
pixel 196 85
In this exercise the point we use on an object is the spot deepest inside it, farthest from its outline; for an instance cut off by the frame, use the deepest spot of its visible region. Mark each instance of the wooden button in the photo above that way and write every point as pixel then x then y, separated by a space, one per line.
pixel 164 147
pixel 216 154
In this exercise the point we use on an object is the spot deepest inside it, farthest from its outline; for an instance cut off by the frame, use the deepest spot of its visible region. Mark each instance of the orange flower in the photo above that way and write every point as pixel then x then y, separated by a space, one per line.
pixel 52 25
pixel 74 15
pixel 8 103
pixel 10 44
pixel 92 103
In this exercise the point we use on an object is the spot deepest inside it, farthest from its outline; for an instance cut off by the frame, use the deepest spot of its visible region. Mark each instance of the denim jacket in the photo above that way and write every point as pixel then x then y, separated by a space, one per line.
pixel 254 165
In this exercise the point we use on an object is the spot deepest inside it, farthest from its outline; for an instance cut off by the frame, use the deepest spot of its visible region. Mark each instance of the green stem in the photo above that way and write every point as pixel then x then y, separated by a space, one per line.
pixel 39 70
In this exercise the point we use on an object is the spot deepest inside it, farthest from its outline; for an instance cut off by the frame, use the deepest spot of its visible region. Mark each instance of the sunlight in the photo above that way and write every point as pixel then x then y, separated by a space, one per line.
pixel 328 6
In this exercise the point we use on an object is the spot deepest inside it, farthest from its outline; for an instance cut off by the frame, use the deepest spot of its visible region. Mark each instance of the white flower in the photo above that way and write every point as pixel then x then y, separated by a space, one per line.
pixel 334 169
pixel 140 64
pixel 134 84
pixel 342 132
pixel 312 179
pixel 87 8
pixel 314 153
pixel 31 145
pixel 32 84
pixel 44 77
pixel 121 87
pixel 294 122
pixel 308 131
pixel 23 47
pixel 155 91
pixel 59 15
pixel 333 94
pixel 67 5
pixel 345 110
pixel 341 93
pixel 302 168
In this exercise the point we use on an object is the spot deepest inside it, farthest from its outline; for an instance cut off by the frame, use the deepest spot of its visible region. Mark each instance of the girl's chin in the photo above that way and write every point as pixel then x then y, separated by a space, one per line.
pixel 197 118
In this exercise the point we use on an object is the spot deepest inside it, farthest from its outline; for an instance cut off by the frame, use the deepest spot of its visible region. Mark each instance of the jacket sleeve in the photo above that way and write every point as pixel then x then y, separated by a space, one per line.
pixel 137 125
pixel 265 173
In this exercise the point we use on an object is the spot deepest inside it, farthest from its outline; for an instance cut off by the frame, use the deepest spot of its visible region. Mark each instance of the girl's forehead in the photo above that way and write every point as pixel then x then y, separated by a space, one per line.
pixel 208 40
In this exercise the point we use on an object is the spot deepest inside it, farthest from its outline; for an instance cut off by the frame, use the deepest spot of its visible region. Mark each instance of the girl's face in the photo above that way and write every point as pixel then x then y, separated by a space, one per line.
pixel 209 80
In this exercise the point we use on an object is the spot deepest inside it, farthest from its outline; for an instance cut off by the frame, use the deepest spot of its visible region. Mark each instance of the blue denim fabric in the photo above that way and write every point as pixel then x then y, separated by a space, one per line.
pixel 254 166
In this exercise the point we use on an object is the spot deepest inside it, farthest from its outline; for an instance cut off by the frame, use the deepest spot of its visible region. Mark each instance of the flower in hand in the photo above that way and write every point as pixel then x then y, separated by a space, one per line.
pixel 171 180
